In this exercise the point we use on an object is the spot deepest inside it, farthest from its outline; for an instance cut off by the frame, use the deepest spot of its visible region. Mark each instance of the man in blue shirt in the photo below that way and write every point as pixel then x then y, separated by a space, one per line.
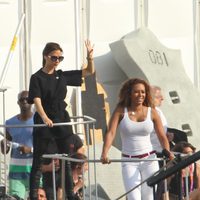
pixel 22 147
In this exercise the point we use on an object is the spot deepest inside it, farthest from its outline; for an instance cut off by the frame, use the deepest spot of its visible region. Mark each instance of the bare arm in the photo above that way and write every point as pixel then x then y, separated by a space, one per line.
pixel 110 135
pixel 195 194
pixel 40 110
pixel 81 150
pixel 89 69
pixel 198 175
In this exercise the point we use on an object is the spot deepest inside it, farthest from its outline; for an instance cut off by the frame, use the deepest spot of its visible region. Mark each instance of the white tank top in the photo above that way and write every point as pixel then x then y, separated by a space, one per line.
pixel 135 136
pixel 154 138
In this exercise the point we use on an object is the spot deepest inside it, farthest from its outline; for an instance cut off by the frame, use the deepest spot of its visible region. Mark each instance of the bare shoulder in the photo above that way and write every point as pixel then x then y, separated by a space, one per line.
pixel 118 112
pixel 154 112
pixel 153 109
pixel 119 109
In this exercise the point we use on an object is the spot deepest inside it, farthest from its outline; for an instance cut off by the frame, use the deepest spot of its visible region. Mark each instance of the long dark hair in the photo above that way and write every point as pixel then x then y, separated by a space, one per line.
pixel 179 147
pixel 126 89
pixel 80 156
pixel 51 46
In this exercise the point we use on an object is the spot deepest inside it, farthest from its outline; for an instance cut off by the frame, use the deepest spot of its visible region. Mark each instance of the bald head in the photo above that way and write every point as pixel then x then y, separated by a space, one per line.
pixel 23 93
pixel 23 101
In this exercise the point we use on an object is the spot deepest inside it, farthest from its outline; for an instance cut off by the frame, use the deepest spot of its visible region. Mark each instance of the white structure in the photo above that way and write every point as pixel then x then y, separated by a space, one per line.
pixel 175 23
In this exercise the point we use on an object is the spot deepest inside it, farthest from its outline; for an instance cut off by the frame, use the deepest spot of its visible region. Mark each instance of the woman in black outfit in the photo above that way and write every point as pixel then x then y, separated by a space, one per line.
pixel 47 90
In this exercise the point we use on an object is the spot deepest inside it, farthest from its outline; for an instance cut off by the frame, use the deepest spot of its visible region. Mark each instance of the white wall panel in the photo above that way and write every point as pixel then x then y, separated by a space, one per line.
pixel 172 22
pixel 52 21
pixel 109 21
pixel 9 13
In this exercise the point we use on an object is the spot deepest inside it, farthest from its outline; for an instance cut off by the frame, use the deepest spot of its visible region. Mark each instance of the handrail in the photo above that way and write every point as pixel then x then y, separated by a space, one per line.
pixel 86 120
pixel 90 121
pixel 65 157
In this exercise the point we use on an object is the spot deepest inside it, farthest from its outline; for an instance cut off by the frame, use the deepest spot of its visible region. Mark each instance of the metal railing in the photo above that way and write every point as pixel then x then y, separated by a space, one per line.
pixel 89 125
pixel 87 121
pixel 64 157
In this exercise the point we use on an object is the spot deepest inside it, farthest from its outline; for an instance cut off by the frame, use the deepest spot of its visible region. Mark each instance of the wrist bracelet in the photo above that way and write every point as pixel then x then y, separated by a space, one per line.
pixel 88 58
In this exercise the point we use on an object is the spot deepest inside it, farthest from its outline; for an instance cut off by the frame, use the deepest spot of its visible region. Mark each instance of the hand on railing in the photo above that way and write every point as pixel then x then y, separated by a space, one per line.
pixel 104 159
pixel 168 154
pixel 47 121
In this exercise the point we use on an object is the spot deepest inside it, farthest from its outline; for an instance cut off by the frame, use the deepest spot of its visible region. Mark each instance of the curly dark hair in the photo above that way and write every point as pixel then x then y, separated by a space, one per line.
pixel 78 156
pixel 126 89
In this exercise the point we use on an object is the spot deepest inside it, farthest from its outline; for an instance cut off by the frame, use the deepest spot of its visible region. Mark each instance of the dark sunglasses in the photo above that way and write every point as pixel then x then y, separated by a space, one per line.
pixel 22 99
pixel 55 58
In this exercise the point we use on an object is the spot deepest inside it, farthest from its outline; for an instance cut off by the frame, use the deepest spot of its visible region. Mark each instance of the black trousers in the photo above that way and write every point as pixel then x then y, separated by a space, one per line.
pixel 40 146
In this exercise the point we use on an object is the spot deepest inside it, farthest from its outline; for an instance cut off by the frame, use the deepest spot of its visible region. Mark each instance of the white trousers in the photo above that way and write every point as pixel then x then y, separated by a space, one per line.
pixel 134 173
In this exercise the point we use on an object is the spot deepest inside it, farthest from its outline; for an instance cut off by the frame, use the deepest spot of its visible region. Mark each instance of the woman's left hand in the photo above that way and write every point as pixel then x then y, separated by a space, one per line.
pixel 168 154
pixel 47 121
pixel 90 49
pixel 104 159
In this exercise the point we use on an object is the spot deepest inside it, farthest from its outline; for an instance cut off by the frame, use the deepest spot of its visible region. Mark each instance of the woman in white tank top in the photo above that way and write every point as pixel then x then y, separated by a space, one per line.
pixel 136 118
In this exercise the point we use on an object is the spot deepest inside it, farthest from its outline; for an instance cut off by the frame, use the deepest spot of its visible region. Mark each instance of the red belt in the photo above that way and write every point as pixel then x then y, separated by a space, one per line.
pixel 139 156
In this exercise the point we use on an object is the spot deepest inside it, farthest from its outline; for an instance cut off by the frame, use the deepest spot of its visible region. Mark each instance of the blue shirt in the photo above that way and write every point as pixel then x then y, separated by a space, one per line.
pixel 20 164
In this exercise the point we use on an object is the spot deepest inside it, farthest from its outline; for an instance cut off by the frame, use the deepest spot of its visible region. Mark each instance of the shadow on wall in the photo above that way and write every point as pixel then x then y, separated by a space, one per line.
pixel 105 84
pixel 100 192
